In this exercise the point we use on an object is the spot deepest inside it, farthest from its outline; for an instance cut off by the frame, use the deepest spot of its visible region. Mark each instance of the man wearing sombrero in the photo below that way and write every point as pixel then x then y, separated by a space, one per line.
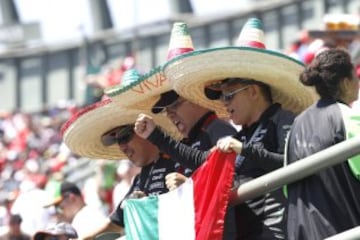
pixel 200 126
pixel 105 131
pixel 254 85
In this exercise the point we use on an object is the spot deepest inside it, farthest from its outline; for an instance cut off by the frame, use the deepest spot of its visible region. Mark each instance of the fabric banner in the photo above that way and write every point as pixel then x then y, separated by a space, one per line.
pixel 195 210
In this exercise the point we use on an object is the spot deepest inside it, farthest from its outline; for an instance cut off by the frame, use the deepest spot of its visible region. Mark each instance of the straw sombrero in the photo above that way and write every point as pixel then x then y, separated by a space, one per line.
pixel 82 133
pixel 338 27
pixel 189 74
pixel 143 91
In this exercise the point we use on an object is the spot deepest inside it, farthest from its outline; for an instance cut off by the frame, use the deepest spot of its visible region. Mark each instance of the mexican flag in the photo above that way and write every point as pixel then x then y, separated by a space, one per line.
pixel 195 210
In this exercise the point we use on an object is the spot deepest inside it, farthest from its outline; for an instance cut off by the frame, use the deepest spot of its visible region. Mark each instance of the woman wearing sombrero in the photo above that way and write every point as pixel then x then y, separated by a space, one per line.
pixel 253 86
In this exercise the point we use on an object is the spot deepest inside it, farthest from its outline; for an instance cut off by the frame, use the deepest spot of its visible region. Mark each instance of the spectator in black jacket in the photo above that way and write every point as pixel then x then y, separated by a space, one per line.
pixel 201 129
pixel 327 202
pixel 105 131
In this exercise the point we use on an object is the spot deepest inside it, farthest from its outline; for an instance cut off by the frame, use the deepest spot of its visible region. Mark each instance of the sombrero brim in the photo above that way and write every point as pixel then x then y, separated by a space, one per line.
pixel 82 133
pixel 189 74
pixel 335 34
pixel 141 94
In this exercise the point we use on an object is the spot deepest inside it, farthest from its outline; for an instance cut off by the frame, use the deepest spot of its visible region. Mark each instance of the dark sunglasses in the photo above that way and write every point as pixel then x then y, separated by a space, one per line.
pixel 227 97
pixel 119 135
pixel 173 106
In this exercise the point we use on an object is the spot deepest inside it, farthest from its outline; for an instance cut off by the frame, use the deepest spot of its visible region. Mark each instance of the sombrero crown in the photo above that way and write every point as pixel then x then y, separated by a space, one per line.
pixel 82 133
pixel 144 91
pixel 192 73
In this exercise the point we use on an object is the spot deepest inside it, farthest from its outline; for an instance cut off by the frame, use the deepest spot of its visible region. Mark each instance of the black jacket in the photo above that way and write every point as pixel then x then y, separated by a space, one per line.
pixel 327 202
pixel 151 181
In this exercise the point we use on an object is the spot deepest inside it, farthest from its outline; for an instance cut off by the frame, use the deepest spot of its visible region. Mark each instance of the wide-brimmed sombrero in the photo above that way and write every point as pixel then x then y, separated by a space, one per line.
pixel 143 91
pixel 82 132
pixel 191 73
pixel 338 27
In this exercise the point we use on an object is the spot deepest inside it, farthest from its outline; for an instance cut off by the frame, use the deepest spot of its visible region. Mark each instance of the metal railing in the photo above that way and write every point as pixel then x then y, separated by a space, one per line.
pixel 297 171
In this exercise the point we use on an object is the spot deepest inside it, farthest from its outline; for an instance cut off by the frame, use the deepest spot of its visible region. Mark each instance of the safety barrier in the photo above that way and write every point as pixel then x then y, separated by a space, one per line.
pixel 298 170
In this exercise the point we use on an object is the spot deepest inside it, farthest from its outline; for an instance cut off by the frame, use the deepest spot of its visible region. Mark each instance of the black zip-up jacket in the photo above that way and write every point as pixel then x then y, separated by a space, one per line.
pixel 151 181
pixel 327 202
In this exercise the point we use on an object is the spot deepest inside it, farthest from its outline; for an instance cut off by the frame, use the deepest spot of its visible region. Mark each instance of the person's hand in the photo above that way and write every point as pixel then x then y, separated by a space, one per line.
pixel 229 144
pixel 174 180
pixel 144 126
pixel 137 194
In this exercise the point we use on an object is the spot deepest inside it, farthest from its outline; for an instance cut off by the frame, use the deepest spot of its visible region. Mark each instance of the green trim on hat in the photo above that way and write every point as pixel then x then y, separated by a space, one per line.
pixel 265 51
pixel 117 90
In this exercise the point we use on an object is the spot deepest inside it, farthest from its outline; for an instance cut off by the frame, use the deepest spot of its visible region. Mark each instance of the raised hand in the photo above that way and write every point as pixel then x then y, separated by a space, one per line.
pixel 144 126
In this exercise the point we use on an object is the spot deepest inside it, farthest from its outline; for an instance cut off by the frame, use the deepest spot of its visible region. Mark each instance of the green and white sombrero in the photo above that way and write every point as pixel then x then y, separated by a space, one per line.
pixel 82 133
pixel 191 73
pixel 143 91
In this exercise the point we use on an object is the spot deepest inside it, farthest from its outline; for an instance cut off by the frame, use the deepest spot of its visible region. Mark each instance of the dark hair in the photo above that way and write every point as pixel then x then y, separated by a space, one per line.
pixel 327 71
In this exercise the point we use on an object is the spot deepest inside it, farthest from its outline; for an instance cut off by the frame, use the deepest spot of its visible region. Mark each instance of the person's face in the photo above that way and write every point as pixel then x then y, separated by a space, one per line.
pixel 238 102
pixel 183 114
pixel 65 207
pixel 138 150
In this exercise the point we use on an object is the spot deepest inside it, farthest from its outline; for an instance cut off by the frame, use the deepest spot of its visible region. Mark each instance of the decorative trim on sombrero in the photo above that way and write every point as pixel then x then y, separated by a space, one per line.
pixel 252 34
pixel 180 40
pixel 81 112
pixel 273 68
pixel 82 133
pixel 145 91
pixel 142 92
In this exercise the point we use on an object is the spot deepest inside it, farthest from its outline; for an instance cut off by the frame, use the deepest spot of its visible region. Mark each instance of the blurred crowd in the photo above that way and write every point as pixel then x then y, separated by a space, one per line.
pixel 34 161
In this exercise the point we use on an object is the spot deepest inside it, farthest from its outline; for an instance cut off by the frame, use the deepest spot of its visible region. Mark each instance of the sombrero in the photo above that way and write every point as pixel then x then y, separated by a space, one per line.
pixel 338 26
pixel 82 133
pixel 191 73
pixel 143 91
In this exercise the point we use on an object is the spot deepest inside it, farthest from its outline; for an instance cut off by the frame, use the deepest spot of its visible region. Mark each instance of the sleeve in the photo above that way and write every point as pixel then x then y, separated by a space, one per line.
pixel 259 156
pixel 219 129
pixel 269 152
pixel 179 152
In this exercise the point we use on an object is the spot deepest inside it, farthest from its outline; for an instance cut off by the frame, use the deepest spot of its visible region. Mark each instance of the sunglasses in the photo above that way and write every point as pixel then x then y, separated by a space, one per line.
pixel 227 97
pixel 173 106
pixel 119 135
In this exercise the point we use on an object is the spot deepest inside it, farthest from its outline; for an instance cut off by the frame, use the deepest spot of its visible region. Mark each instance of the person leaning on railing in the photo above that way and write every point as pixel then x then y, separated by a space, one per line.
pixel 327 202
